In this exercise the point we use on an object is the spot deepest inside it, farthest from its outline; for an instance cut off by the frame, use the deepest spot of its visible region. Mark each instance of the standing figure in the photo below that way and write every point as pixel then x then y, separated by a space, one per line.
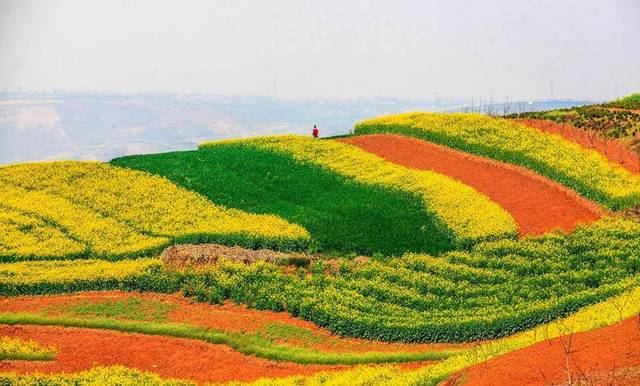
pixel 315 131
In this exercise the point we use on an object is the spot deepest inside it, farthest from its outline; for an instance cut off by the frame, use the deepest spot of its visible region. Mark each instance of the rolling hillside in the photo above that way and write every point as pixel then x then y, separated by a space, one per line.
pixel 448 247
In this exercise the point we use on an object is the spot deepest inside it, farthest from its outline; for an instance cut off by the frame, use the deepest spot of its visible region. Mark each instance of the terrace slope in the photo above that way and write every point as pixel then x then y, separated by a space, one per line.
pixel 536 203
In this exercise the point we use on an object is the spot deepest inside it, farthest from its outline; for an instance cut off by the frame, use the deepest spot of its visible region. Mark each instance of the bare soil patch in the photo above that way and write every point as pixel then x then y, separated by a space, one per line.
pixel 537 203
pixel 605 356
pixel 81 349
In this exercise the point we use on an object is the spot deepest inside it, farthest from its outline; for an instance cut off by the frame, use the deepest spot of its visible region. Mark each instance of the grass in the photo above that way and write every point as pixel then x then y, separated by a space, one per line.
pixel 130 308
pixel 287 332
pixel 496 289
pixel 243 343
pixel 599 315
pixel 341 215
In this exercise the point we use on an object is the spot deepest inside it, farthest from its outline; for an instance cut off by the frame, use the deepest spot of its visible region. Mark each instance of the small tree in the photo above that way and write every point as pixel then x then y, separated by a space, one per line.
pixel 592 128
pixel 506 107
pixel 608 132
pixel 634 144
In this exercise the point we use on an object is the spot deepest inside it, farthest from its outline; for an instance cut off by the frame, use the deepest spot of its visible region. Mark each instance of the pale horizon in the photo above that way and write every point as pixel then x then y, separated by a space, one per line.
pixel 406 50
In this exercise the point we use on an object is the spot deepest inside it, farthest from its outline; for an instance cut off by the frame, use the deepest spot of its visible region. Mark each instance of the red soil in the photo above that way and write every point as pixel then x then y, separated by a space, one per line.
pixel 616 150
pixel 228 317
pixel 606 356
pixel 81 349
pixel 537 204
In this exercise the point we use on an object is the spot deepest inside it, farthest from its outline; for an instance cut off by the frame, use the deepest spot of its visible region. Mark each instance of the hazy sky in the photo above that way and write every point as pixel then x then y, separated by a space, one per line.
pixel 344 48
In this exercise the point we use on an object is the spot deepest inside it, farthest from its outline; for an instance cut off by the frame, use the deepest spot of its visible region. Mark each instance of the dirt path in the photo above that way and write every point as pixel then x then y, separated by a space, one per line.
pixel 536 203
pixel 81 349
pixel 606 356
pixel 616 151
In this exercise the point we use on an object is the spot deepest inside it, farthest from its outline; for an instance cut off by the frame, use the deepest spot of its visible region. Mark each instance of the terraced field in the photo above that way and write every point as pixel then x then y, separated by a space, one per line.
pixel 424 249
pixel 538 205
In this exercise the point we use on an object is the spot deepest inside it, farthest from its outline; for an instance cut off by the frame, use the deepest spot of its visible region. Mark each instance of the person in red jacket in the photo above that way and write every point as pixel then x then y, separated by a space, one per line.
pixel 315 131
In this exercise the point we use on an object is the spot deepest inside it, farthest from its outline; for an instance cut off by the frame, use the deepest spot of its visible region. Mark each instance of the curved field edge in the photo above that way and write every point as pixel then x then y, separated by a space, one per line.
pixel 462 211
pixel 611 311
pixel 496 289
pixel 538 204
pixel 245 344
pixel 602 356
pixel 586 171
pixel 341 215
pixel 120 213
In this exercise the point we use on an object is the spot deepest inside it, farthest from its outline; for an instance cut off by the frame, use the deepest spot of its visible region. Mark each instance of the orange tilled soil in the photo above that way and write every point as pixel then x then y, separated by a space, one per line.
pixel 606 356
pixel 227 317
pixel 616 151
pixel 537 204
pixel 81 349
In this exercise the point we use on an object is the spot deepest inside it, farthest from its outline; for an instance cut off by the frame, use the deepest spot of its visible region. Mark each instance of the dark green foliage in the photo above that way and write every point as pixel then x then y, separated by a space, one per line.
pixel 340 214
pixel 497 289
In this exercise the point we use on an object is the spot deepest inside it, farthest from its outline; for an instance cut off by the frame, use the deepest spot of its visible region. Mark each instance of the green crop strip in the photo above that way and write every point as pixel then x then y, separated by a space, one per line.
pixel 243 343
pixel 130 308
pixel 629 102
pixel 494 290
pixel 599 315
pixel 341 214
pixel 460 211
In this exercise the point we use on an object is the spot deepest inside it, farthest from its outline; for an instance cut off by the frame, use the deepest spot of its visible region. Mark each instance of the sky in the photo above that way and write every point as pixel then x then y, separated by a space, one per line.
pixel 526 49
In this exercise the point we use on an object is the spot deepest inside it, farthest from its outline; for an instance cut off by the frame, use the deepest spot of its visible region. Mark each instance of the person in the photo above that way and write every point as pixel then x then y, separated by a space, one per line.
pixel 315 131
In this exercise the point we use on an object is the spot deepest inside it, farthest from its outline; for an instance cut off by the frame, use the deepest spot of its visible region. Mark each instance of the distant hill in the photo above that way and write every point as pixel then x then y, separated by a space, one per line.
pixel 102 126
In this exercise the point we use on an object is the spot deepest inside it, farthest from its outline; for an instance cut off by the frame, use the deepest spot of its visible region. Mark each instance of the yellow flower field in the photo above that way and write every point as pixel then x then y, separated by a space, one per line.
pixel 39 276
pixel 24 236
pixel 19 349
pixel 119 212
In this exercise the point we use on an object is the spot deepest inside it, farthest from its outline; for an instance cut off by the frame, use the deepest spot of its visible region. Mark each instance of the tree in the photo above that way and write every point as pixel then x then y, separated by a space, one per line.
pixel 634 144
pixel 608 132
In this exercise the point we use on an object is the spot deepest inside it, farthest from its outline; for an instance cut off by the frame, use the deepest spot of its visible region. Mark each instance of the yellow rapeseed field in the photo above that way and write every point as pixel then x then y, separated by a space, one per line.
pixel 120 212
pixel 15 348
pixel 24 237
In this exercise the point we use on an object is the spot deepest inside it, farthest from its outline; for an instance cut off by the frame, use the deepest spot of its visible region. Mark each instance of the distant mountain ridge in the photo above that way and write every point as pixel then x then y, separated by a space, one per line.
pixel 93 125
